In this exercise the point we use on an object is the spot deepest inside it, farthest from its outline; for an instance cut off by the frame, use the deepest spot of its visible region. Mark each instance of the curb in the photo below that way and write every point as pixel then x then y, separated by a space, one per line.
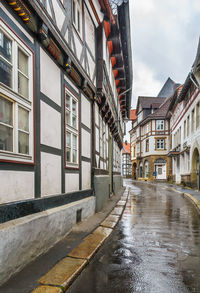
pixel 62 275
pixel 191 197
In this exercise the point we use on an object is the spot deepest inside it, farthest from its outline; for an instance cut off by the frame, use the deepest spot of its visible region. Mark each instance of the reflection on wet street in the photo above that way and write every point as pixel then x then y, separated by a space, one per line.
pixel 154 249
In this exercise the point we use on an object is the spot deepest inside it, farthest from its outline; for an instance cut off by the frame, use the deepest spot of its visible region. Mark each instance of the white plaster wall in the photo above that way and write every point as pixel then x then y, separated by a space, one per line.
pixel 71 182
pixel 85 111
pixel 89 31
pixel 59 14
pixel 50 78
pixel 50 174
pixel 26 238
pixel 96 114
pixel 97 138
pixel 78 45
pixel 16 185
pixel 50 126
pixel 86 143
pixel 86 175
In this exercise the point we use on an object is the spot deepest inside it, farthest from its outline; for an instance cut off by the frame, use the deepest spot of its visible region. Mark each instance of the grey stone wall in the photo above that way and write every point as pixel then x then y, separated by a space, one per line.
pixel 117 182
pixel 101 188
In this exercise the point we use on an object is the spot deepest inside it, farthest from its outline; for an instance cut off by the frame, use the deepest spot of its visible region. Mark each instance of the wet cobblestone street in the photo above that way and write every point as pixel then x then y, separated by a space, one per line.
pixel 154 249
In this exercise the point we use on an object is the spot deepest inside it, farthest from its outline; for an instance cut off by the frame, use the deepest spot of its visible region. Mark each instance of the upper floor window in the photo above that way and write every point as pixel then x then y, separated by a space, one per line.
pixel 16 98
pixel 188 125
pixel 147 145
pixel 197 115
pixel 159 125
pixel 71 112
pixel 192 122
pixel 77 16
pixel 160 143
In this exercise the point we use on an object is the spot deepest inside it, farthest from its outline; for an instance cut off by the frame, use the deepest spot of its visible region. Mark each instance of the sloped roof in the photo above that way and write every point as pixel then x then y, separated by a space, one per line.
pixel 133 115
pixel 168 88
pixel 126 148
pixel 148 102
pixel 160 113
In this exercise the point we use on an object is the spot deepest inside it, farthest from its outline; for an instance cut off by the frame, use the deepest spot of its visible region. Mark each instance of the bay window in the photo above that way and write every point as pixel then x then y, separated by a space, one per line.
pixel 16 98
pixel 71 114
pixel 160 144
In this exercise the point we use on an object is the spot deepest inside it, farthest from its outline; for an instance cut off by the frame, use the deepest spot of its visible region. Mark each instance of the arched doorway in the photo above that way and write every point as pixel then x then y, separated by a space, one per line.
pixel 134 171
pixel 195 178
pixel 160 167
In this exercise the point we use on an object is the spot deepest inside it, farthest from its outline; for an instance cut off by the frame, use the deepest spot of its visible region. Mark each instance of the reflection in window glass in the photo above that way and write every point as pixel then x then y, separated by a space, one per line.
pixel 6 138
pixel 23 120
pixel 23 143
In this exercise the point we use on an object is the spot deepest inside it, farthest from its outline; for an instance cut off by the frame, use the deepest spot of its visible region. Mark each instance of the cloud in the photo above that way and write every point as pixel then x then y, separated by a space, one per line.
pixel 164 37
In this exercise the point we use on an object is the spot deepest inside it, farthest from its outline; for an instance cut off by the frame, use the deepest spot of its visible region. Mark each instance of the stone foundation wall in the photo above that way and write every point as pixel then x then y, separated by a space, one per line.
pixel 24 239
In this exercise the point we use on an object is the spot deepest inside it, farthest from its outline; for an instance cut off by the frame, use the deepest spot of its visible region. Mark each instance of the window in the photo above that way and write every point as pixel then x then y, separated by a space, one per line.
pixel 71 120
pixel 16 98
pixel 184 129
pixel 160 143
pixel 147 145
pixel 197 115
pixel 76 12
pixel 159 125
pixel 192 122
pixel 188 125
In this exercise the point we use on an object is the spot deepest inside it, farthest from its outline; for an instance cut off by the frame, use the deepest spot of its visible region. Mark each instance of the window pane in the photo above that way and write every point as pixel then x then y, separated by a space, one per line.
pixel 74 12
pixel 23 141
pixel 22 62
pixel 5 46
pixel 67 117
pixel 78 16
pixel 68 154
pixel 5 73
pixel 75 142
pixel 68 102
pixel 74 156
pixel 23 121
pixel 74 121
pixel 74 107
pixel 68 139
pixel 6 138
pixel 22 85
pixel 6 114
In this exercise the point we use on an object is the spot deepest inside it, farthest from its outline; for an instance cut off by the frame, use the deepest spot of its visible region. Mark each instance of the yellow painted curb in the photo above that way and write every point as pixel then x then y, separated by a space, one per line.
pixel 88 247
pixel 117 211
pixel 47 289
pixel 194 199
pixel 176 190
pixel 63 273
pixel 102 231
pixel 108 224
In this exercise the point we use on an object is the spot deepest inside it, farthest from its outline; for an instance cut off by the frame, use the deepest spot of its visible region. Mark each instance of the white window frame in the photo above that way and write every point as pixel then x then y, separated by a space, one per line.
pixel 77 14
pixel 69 128
pixel 160 125
pixel 11 94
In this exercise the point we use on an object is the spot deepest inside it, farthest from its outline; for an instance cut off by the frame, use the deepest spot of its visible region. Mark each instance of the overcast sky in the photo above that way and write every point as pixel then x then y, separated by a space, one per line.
pixel 165 36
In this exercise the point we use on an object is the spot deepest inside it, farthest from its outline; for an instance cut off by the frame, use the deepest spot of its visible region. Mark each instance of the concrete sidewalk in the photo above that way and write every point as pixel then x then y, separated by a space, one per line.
pixel 54 271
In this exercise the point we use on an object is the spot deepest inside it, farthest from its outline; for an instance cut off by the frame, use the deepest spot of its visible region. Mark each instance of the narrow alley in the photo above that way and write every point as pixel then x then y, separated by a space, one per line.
pixel 154 249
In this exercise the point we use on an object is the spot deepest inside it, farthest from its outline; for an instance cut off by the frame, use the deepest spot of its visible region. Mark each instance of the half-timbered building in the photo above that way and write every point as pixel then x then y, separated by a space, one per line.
pixel 65 90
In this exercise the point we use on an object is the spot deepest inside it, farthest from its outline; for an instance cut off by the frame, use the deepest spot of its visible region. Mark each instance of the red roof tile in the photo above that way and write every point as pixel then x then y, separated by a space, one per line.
pixel 126 148
pixel 133 115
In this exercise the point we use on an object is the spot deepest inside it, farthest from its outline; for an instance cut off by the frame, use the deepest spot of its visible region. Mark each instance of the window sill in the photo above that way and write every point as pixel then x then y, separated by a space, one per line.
pixel 15 158
pixel 72 166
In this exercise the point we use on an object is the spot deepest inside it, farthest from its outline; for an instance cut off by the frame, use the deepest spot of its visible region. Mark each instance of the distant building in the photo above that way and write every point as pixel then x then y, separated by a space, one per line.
pixel 126 160
pixel 150 135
